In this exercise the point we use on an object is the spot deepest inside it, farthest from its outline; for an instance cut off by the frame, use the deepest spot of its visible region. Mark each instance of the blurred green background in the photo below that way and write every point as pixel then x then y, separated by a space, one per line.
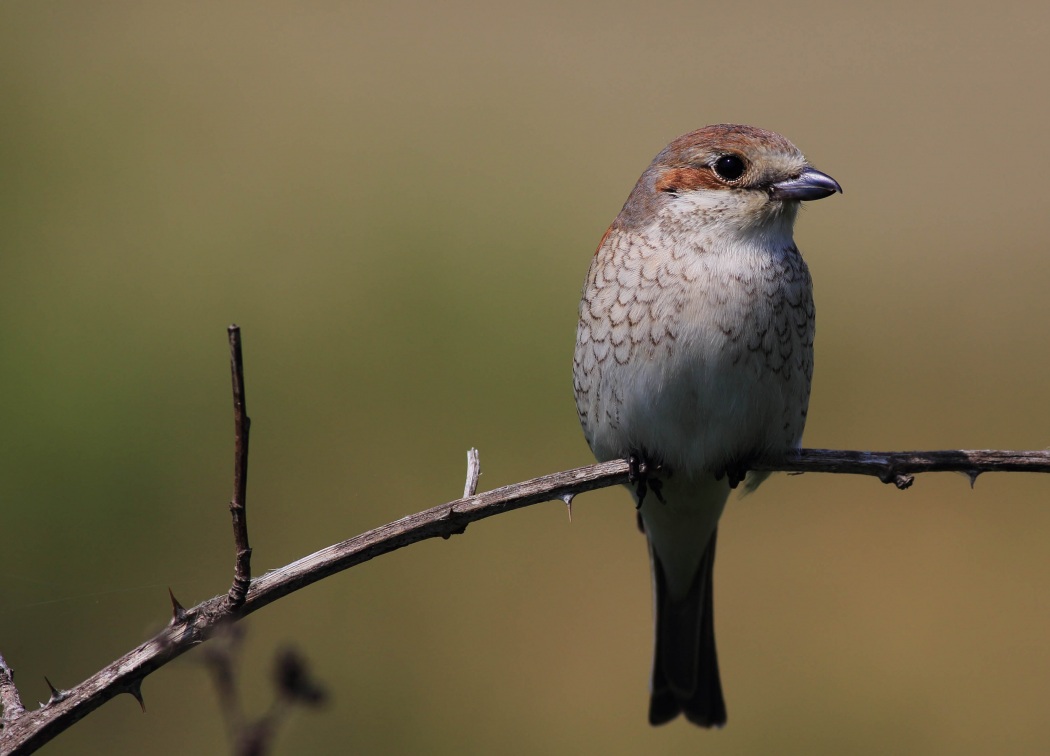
pixel 398 201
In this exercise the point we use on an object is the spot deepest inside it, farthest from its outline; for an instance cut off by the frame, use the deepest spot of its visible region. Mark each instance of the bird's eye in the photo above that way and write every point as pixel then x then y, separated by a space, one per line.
pixel 730 167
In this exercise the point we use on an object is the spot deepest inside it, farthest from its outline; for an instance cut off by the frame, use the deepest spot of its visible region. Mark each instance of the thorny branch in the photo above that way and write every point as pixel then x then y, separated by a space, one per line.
pixel 900 468
pixel 24 732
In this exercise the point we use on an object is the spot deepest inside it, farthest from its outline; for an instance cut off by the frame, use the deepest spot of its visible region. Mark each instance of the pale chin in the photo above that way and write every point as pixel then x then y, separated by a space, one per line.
pixel 720 216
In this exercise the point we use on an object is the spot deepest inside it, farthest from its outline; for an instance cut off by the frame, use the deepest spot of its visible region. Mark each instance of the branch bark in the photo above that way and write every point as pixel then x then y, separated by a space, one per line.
pixel 900 468
pixel 9 698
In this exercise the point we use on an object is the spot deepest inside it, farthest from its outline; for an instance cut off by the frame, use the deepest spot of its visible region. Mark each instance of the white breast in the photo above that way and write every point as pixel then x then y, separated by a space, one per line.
pixel 696 354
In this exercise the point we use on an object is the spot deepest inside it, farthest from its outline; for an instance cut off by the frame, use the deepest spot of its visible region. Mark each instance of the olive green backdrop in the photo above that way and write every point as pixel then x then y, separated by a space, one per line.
pixel 398 202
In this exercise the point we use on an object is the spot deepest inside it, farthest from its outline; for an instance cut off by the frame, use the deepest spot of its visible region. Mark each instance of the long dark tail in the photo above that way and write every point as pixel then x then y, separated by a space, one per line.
pixel 685 669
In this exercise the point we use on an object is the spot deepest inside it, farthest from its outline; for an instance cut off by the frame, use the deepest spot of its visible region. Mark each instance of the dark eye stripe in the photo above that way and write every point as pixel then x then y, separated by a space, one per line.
pixel 687 179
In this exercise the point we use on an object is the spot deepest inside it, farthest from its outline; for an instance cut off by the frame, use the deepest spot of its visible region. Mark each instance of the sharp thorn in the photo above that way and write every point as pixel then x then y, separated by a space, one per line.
pixel 567 498
pixel 136 692
pixel 178 611
pixel 972 475
pixel 56 694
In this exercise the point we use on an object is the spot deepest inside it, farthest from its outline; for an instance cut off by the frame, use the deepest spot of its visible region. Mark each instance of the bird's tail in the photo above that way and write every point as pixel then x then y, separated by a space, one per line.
pixel 685 667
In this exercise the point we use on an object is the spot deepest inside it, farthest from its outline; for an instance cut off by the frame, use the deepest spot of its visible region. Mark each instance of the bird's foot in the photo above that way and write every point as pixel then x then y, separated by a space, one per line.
pixel 734 472
pixel 641 475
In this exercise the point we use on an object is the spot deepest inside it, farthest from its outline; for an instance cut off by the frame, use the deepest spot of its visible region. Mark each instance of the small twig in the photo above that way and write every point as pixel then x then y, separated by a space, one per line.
pixel 34 729
pixel 9 698
pixel 242 571
pixel 473 473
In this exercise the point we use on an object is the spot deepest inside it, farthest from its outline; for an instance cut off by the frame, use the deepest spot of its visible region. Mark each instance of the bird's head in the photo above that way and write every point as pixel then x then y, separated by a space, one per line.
pixel 729 178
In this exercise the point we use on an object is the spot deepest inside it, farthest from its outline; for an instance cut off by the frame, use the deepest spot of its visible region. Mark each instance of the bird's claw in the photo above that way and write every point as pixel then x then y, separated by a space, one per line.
pixel 735 473
pixel 635 467
pixel 640 474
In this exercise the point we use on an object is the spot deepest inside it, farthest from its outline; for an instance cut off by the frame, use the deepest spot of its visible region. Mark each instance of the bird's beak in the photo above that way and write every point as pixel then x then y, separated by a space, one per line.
pixel 811 184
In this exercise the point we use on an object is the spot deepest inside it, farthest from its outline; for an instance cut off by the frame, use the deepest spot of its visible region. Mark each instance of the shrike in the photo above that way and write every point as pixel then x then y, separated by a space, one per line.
pixel 694 354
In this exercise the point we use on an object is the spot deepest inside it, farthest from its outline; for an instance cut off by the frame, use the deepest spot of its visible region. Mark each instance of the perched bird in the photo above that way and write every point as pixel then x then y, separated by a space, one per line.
pixel 694 355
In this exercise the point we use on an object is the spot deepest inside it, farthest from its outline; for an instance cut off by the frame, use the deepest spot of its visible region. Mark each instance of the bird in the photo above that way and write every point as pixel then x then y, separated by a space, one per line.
pixel 694 356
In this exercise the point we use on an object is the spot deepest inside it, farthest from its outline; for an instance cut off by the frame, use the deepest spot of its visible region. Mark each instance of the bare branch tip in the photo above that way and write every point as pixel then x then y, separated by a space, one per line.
pixel 238 503
pixel 473 473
